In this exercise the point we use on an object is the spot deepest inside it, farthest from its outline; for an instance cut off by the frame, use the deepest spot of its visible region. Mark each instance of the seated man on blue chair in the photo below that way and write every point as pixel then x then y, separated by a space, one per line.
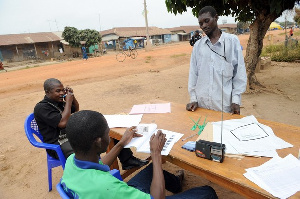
pixel 85 176
pixel 52 113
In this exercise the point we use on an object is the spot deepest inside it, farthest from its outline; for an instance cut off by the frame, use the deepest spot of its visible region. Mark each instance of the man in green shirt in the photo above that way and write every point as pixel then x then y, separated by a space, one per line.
pixel 85 176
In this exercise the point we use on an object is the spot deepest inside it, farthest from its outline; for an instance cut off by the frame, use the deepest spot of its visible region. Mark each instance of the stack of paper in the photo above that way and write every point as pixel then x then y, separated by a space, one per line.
pixel 278 176
pixel 147 130
pixel 114 121
pixel 247 136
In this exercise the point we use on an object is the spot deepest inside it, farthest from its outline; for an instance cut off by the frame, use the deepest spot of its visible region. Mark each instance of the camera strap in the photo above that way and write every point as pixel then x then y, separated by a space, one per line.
pixel 62 138
pixel 216 52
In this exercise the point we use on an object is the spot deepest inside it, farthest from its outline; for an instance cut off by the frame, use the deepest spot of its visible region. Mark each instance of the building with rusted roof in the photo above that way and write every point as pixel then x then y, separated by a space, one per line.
pixel 19 47
pixel 229 28
pixel 183 33
pixel 114 38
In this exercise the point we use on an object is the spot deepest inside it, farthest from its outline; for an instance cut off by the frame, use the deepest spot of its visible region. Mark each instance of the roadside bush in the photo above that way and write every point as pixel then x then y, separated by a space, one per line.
pixel 282 53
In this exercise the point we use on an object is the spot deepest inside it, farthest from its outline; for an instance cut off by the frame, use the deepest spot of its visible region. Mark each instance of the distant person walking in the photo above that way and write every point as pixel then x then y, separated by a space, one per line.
pixel 1 66
pixel 84 54
pixel 291 32
pixel 195 37
pixel 135 43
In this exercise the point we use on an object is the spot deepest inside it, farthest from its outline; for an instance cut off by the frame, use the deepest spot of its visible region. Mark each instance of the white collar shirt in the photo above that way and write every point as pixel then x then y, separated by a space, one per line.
pixel 206 68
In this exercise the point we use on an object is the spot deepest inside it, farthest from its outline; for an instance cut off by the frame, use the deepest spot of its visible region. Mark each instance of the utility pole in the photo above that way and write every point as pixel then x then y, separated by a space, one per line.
pixel 56 25
pixel 49 25
pixel 99 24
pixel 147 30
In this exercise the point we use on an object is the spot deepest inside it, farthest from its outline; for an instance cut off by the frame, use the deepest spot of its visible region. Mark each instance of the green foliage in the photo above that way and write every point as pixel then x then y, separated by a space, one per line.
pixel 90 36
pixel 243 25
pixel 297 16
pixel 243 10
pixel 70 35
pixel 74 36
pixel 282 53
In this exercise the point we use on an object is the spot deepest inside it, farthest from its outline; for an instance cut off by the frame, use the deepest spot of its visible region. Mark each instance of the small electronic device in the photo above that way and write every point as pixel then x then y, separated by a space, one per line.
pixel 190 146
pixel 212 150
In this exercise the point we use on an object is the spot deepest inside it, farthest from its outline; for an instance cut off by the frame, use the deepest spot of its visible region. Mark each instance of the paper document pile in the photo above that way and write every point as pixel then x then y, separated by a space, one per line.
pixel 278 176
pixel 114 121
pixel 247 136
pixel 147 130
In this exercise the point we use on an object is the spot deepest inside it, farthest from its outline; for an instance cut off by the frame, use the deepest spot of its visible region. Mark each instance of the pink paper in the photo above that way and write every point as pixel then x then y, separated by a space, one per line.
pixel 151 108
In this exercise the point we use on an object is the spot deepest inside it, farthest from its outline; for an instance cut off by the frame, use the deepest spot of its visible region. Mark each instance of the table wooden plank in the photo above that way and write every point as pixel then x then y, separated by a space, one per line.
pixel 228 174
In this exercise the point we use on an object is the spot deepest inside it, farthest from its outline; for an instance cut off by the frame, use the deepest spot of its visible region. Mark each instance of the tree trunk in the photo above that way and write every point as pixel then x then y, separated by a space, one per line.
pixel 258 30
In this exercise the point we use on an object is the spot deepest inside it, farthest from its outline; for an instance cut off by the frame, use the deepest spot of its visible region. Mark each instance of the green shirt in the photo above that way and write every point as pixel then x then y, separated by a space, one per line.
pixel 85 179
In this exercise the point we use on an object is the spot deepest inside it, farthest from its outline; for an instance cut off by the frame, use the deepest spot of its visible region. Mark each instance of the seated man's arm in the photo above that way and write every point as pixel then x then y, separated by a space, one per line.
pixel 65 115
pixel 75 104
pixel 157 142
pixel 111 156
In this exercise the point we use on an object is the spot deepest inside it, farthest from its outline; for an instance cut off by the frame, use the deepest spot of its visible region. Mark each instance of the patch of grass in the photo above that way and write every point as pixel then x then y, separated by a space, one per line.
pixel 178 55
pixel 283 53
pixel 272 49
pixel 296 33
pixel 148 58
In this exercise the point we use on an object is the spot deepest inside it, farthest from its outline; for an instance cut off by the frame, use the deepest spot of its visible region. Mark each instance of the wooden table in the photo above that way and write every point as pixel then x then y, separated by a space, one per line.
pixel 228 174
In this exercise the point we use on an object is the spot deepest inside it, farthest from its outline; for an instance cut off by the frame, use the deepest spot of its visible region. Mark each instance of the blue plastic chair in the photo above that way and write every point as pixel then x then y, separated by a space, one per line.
pixel 116 173
pixel 31 128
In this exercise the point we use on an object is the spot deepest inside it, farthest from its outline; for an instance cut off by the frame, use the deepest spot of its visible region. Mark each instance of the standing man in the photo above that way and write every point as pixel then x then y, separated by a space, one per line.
pixel 52 114
pixel 195 37
pixel 217 66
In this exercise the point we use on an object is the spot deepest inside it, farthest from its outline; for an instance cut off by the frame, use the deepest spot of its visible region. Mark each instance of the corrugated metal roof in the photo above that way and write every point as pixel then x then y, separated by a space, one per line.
pixel 186 29
pixel 228 25
pixel 109 37
pixel 27 38
pixel 59 34
pixel 135 31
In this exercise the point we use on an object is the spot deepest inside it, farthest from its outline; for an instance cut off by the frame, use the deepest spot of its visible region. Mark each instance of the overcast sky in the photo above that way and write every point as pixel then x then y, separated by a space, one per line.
pixel 30 16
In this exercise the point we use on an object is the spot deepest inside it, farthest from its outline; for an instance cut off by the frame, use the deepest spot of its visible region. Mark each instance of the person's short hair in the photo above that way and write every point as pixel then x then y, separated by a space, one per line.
pixel 198 31
pixel 83 128
pixel 209 9
pixel 49 83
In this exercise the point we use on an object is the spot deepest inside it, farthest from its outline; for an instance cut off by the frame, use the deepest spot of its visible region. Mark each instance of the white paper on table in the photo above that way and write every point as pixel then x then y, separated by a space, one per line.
pixel 278 176
pixel 172 138
pixel 146 130
pixel 123 120
pixel 151 108
pixel 142 143
pixel 248 136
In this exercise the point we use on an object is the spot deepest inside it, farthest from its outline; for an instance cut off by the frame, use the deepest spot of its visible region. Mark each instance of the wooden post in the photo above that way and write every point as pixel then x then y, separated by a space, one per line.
pixel 17 52
pixel 35 50
pixel 147 30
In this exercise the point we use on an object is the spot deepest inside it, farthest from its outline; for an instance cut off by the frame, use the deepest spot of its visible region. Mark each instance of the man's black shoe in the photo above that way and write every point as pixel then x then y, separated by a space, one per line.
pixel 133 162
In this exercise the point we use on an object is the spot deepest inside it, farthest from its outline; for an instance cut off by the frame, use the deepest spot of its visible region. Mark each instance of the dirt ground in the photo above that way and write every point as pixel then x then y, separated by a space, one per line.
pixel 108 86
